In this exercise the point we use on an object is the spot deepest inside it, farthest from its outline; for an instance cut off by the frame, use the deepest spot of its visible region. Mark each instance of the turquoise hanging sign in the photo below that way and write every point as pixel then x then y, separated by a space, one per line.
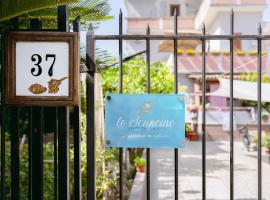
pixel 145 120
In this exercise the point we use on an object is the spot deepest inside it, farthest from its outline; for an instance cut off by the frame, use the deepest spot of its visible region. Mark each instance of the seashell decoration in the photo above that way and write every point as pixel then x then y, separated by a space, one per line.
pixel 37 88
pixel 54 85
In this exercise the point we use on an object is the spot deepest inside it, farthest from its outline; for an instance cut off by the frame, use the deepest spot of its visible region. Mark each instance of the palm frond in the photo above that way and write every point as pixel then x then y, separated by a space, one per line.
pixel 88 10
pixel 10 9
pixel 91 10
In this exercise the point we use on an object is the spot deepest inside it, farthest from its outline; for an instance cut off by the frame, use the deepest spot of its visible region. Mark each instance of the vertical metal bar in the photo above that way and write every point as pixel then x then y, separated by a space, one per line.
pixel 30 162
pixel 259 114
pixel 77 154
pixel 37 153
pixel 203 119
pixel 15 139
pixel 77 137
pixel 121 91
pixel 51 125
pixel 35 149
pixel 62 13
pixel 90 103
pixel 148 90
pixel 63 124
pixel 15 154
pixel 231 112
pixel 55 153
pixel 3 138
pixel 63 153
pixel 175 47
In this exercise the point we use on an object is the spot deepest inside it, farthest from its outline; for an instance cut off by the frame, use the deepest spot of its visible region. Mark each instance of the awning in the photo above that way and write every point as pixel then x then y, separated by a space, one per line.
pixel 242 90
pixel 219 63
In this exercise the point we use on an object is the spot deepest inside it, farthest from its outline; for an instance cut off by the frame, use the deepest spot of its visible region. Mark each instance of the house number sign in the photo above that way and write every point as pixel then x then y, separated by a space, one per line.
pixel 145 120
pixel 42 68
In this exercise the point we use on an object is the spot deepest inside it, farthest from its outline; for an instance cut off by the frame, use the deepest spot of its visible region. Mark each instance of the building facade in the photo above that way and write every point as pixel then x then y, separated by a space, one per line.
pixel 192 14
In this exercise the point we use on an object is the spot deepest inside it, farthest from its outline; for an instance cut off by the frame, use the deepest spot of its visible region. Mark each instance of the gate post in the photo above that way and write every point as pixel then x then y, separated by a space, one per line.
pixel 91 138
pixel 77 137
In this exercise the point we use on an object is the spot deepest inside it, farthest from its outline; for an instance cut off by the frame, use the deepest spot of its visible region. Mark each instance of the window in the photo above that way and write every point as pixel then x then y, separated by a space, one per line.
pixel 173 8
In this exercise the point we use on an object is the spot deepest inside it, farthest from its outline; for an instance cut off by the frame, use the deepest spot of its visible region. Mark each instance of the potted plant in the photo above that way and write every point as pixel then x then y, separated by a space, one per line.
pixel 190 134
pixel 139 163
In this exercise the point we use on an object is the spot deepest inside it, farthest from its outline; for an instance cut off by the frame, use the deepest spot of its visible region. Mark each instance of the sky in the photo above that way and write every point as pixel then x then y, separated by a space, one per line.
pixel 111 26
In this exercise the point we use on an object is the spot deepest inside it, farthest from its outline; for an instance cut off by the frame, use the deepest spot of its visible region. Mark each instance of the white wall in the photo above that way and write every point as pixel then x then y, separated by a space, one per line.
pixel 160 8
pixel 132 47
pixel 245 23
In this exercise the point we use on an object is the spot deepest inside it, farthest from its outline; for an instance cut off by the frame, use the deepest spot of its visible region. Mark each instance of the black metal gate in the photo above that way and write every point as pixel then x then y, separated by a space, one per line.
pixel 55 119
pixel 58 118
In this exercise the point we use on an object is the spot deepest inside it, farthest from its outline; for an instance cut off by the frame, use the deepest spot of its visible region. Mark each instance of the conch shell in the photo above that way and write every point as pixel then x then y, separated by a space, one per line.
pixel 54 85
pixel 37 88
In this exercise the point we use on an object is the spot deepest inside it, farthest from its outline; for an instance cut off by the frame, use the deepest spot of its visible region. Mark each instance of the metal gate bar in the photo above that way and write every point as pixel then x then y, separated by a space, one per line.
pixel 90 102
pixel 29 138
pixel 14 142
pixel 55 149
pixel 63 125
pixel 3 128
pixel 35 150
pixel 77 138
pixel 182 37
pixel 148 90
pixel 121 181
pixel 15 154
pixel 203 118
pixel 259 68
pixel 175 91
pixel 231 112
pixel 203 37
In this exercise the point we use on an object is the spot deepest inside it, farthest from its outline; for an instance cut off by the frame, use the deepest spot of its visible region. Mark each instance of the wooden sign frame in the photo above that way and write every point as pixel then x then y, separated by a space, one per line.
pixel 72 38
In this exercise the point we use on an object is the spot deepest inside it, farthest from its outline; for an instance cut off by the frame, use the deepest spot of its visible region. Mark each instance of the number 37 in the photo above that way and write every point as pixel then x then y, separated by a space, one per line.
pixel 37 60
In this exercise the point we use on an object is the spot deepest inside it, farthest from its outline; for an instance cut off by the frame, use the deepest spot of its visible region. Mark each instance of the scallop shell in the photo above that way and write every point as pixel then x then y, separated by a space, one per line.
pixel 37 88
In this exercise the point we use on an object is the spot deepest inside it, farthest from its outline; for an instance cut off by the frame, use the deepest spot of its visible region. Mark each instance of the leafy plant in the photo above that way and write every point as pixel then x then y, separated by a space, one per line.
pixel 139 161
pixel 188 128
pixel 266 141
pixel 135 78
pixel 10 9
pixel 46 11
pixel 48 174
pixel 88 10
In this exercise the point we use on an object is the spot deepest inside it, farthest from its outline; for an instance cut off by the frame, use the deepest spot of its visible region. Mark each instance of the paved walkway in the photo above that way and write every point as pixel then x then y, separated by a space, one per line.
pixel 217 183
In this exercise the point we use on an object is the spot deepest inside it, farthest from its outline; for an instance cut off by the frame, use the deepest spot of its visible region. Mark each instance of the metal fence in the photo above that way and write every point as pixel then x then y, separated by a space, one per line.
pixel 203 37
pixel 59 118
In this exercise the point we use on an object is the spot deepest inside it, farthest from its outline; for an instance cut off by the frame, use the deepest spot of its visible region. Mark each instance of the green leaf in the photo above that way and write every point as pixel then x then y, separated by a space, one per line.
pixel 10 9
pixel 87 10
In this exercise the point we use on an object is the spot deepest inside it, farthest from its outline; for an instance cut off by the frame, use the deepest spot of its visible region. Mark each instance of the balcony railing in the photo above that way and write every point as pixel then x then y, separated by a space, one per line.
pixel 159 24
